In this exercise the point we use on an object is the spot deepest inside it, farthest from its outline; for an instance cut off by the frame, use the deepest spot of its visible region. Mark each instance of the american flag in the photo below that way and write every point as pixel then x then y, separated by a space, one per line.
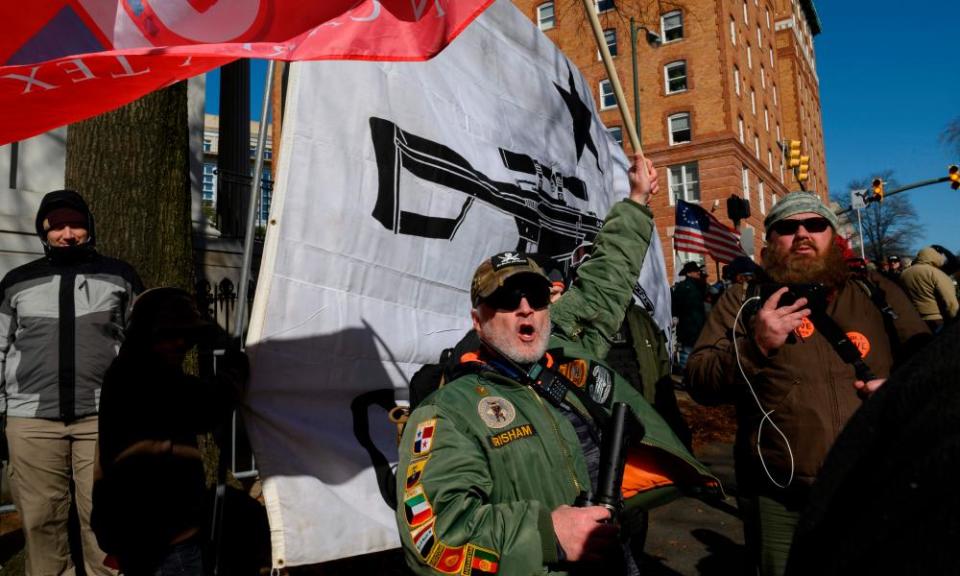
pixel 699 231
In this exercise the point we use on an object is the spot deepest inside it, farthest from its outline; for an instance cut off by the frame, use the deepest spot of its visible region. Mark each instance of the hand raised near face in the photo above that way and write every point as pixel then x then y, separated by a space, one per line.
pixel 773 324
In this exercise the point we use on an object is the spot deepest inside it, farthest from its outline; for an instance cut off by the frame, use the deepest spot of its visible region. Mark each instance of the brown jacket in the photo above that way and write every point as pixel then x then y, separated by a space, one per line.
pixel 805 384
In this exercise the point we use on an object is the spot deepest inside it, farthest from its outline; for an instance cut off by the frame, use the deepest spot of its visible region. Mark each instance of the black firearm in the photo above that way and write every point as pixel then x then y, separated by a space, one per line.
pixel 536 199
pixel 613 457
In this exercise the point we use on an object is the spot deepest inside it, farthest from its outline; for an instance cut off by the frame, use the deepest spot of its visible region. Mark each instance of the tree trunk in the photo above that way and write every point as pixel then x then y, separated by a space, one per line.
pixel 132 165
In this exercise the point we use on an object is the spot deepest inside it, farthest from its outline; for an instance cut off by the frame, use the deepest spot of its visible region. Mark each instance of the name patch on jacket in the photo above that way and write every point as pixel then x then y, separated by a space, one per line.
pixel 507 436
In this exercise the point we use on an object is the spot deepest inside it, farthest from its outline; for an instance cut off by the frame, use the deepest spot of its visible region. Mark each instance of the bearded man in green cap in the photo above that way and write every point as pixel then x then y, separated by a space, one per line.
pixel 793 391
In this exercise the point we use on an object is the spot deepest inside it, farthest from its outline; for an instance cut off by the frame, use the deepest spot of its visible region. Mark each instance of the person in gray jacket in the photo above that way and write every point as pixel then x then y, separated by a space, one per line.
pixel 62 320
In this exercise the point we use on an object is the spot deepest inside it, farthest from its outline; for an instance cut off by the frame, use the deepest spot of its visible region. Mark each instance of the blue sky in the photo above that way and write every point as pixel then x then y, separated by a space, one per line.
pixel 888 87
pixel 258 74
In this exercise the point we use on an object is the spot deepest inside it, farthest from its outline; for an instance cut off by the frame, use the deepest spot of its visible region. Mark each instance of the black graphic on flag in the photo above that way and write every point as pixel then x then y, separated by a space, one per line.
pixel 582 117
pixel 545 222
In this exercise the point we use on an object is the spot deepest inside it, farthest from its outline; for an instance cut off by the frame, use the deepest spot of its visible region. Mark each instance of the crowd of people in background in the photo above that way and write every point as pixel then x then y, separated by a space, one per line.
pixel 932 284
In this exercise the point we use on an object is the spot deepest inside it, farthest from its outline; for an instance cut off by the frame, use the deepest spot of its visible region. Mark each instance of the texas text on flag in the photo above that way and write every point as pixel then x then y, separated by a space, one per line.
pixel 699 231
pixel 62 61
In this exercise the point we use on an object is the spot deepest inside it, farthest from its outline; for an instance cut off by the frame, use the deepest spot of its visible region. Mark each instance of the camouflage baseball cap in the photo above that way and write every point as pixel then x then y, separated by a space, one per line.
pixel 494 272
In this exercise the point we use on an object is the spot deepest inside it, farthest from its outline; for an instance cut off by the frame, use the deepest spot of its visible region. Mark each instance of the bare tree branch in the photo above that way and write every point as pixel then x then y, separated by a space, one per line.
pixel 951 135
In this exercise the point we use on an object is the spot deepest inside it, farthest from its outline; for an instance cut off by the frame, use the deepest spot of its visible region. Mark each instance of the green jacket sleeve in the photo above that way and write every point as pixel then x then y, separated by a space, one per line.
pixel 593 309
pixel 444 515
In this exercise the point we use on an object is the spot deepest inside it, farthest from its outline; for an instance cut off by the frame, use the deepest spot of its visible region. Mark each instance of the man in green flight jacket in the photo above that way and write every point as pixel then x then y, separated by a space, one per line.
pixel 490 464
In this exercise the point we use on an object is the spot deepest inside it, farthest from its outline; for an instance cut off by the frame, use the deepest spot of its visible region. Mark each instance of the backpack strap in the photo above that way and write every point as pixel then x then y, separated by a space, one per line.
pixel 879 299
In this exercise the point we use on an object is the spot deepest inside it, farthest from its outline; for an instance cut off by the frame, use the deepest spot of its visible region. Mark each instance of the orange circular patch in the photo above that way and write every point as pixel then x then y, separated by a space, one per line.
pixel 805 329
pixel 861 342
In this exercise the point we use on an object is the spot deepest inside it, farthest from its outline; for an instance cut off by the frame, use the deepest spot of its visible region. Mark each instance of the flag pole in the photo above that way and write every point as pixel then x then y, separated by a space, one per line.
pixel 243 289
pixel 591 9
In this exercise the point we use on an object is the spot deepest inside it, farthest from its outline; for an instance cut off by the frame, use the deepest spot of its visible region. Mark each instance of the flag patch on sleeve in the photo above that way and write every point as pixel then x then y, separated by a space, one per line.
pixel 423 441
pixel 423 539
pixel 416 507
pixel 446 559
pixel 480 561
pixel 415 471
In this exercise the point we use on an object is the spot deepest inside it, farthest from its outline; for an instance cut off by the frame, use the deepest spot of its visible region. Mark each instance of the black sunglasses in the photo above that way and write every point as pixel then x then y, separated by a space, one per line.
pixel 508 297
pixel 789 227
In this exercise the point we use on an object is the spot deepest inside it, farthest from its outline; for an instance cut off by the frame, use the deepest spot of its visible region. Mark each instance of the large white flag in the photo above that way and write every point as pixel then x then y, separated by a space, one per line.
pixel 397 179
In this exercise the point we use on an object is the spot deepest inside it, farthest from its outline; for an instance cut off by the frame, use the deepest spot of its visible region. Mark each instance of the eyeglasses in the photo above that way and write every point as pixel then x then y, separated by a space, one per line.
pixel 790 227
pixel 508 297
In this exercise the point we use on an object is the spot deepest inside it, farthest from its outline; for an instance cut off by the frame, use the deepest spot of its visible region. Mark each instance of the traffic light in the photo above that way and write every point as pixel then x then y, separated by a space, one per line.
pixel 954 173
pixel 793 153
pixel 803 169
pixel 877 187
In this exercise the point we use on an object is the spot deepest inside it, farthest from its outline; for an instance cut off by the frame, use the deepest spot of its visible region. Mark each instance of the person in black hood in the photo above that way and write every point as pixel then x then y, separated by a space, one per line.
pixel 148 497
pixel 62 320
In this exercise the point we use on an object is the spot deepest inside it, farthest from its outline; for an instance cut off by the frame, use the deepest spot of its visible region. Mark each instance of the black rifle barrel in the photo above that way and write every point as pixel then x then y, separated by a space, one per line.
pixel 613 456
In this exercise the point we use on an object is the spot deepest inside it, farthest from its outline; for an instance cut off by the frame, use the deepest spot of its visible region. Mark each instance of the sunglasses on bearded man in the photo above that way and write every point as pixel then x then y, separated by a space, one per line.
pixel 508 296
pixel 790 227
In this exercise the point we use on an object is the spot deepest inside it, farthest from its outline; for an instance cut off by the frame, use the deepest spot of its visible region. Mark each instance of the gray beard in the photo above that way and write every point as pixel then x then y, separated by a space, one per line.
pixel 509 348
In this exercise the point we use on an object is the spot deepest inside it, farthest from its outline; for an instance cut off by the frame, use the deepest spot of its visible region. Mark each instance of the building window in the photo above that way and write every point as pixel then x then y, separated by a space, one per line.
pixel 779 139
pixel 770 160
pixel 207 145
pixel 266 194
pixel 684 180
pixel 756 145
pixel 610 36
pixel 753 102
pixel 782 180
pixel 607 98
pixel 604 5
pixel 679 127
pixel 209 182
pixel 745 19
pixel 749 57
pixel 763 77
pixel 773 199
pixel 675 76
pixel 768 18
pixel 774 94
pixel 740 127
pixel 617 133
pixel 546 18
pixel 746 183
pixel 763 201
pixel 671 26
pixel 759 38
pixel 766 119
pixel 771 55
pixel 733 31
pixel 736 79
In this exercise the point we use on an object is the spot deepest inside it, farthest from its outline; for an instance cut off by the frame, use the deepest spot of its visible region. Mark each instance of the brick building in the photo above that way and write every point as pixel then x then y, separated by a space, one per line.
pixel 728 81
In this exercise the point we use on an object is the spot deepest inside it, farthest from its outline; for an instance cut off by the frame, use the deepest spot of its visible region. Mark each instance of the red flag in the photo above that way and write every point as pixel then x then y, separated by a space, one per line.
pixel 62 61
pixel 700 232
